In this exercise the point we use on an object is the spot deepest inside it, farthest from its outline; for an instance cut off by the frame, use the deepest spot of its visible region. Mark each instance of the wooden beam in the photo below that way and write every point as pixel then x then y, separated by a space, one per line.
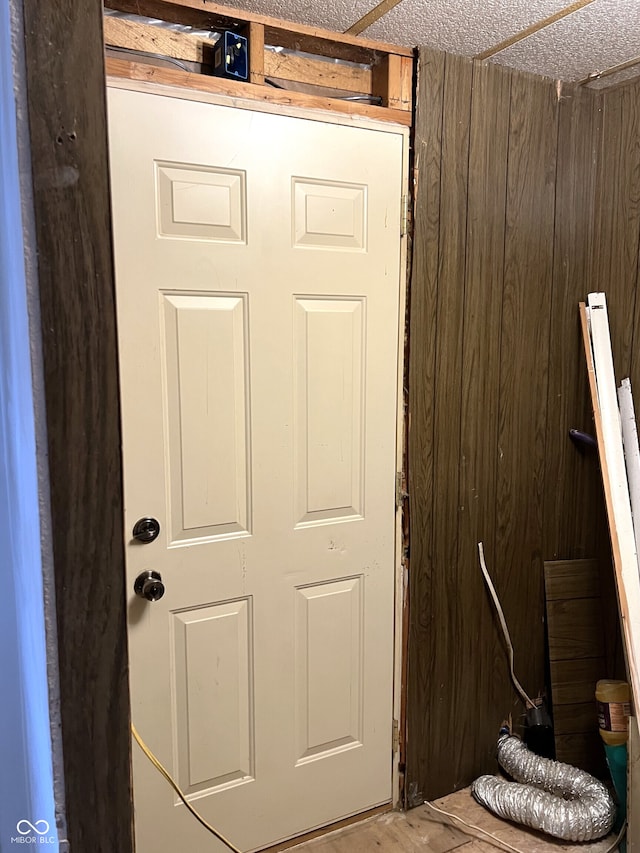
pixel 256 53
pixel 119 32
pixel 218 85
pixel 389 75
pixel 371 17
pixel 287 66
pixel 406 83
pixel 392 81
pixel 63 53
pixel 382 80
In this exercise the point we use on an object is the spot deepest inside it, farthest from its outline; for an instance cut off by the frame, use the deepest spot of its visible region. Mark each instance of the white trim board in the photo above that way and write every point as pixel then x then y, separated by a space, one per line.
pixel 631 452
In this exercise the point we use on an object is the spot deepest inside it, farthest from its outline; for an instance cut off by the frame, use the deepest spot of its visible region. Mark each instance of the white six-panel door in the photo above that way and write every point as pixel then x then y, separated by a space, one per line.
pixel 258 269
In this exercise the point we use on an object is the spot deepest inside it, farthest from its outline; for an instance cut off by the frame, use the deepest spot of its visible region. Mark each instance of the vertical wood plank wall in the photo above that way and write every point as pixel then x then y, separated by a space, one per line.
pixel 525 201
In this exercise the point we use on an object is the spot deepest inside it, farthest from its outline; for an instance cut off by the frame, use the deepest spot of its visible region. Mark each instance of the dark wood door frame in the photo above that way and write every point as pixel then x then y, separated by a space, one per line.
pixel 65 83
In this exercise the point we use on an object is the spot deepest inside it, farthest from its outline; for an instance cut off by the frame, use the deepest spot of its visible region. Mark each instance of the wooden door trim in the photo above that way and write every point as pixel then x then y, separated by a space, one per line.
pixel 139 71
pixel 244 103
pixel 401 603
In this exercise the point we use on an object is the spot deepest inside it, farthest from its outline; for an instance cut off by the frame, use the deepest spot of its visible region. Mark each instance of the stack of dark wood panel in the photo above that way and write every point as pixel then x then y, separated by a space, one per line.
pixel 576 660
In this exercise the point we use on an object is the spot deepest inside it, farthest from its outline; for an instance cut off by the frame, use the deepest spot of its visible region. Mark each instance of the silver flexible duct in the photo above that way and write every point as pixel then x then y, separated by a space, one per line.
pixel 547 795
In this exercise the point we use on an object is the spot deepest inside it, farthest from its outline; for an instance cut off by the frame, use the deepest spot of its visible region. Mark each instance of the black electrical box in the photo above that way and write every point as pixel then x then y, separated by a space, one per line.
pixel 231 56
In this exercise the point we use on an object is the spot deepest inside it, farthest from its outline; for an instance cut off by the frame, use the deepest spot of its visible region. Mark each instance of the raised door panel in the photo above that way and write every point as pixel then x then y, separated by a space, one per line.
pixel 329 668
pixel 213 695
pixel 207 414
pixel 329 408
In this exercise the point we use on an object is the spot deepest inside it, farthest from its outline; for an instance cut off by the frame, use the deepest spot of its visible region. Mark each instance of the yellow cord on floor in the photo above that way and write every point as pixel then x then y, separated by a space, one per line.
pixel 175 787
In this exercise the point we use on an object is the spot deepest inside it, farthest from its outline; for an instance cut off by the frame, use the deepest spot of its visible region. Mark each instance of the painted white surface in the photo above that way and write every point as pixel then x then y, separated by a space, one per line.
pixel 329 353
pixel 204 338
pixel 302 345
pixel 214 746
pixel 329 662
pixel 631 453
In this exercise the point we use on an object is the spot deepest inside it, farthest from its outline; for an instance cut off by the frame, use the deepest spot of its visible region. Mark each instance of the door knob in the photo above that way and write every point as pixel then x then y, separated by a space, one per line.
pixel 146 530
pixel 149 585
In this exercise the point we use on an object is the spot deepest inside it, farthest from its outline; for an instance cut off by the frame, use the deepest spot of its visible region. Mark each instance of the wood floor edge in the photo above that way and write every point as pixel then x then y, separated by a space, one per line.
pixel 332 827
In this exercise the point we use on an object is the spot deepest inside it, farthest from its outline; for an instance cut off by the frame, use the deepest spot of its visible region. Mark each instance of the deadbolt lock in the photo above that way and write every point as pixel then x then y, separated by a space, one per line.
pixel 146 530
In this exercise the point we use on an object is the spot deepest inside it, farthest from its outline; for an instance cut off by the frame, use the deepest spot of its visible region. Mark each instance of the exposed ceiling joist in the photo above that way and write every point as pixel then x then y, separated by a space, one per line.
pixel 371 17
pixel 534 28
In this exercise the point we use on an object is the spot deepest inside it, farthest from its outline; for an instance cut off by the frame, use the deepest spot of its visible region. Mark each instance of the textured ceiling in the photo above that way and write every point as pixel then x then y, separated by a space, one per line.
pixel 594 38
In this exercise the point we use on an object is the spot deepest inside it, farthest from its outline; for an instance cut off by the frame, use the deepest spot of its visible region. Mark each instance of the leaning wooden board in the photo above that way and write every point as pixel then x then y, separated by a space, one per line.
pixel 597 344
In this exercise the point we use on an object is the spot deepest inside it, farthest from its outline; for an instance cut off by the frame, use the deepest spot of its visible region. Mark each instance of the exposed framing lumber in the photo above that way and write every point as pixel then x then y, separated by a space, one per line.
pixel 386 74
pixel 147 38
pixel 218 85
pixel 284 33
pixel 286 66
pixel 132 35
pixel 597 345
pixel 393 81
pixel 256 53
